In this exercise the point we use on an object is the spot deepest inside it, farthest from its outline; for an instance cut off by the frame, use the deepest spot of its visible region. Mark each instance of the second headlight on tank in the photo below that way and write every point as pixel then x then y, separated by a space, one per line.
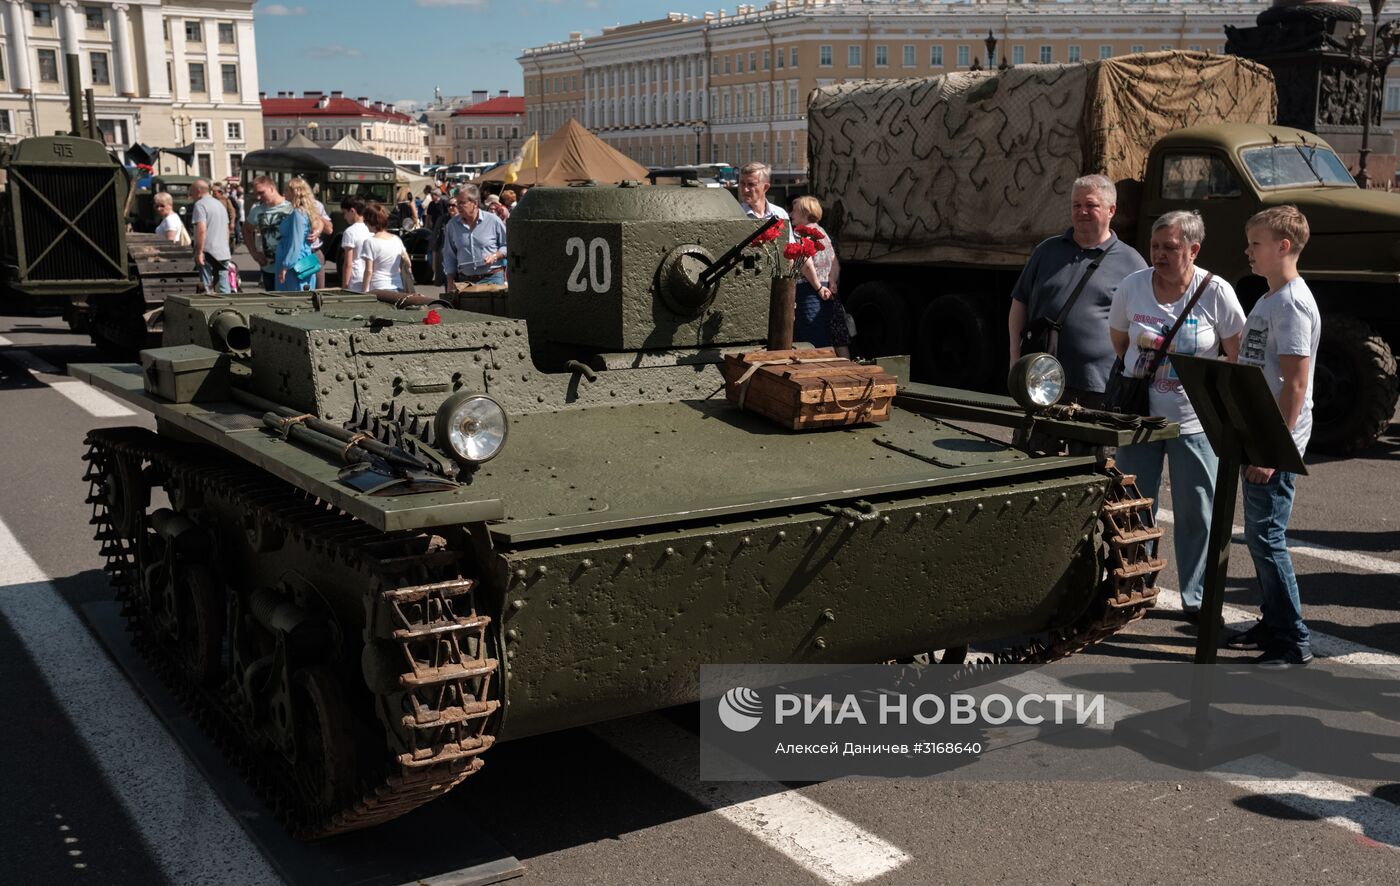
pixel 471 427
pixel 1036 381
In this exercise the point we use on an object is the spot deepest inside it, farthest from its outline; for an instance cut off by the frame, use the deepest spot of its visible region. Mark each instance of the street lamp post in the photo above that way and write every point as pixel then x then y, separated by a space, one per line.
pixel 1391 41
pixel 697 129
pixel 991 44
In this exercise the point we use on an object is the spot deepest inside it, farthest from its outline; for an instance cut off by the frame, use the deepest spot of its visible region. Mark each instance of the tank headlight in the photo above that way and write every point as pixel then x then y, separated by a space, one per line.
pixel 1036 381
pixel 472 427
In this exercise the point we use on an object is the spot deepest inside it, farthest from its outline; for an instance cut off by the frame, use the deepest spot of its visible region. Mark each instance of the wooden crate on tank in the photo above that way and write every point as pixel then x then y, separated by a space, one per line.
pixel 808 388
pixel 483 298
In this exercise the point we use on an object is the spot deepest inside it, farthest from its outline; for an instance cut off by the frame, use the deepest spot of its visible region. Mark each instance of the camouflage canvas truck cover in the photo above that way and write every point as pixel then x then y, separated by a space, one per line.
pixel 976 167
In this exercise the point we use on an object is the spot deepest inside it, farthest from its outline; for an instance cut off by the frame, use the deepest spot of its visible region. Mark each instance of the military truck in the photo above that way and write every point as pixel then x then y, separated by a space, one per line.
pixel 940 188
pixel 365 542
pixel 63 238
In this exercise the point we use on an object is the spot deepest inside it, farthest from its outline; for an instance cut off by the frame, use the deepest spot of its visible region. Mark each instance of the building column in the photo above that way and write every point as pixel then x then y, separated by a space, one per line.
pixel 70 30
pixel 180 82
pixel 214 68
pixel 18 34
pixel 153 52
pixel 121 50
pixel 247 62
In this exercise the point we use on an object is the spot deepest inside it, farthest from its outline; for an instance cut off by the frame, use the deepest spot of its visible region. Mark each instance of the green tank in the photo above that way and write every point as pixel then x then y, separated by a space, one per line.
pixel 365 543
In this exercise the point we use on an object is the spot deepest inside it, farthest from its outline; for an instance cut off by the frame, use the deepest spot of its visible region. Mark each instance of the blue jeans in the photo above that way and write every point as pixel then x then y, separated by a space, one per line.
pixel 1192 463
pixel 214 274
pixel 497 278
pixel 1267 507
pixel 811 317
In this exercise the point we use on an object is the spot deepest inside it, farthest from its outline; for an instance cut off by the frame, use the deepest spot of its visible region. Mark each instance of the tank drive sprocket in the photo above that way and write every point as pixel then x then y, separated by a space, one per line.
pixel 332 744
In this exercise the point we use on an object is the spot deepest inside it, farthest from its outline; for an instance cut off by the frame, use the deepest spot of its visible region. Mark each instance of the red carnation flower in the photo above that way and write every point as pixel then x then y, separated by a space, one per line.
pixel 793 251
pixel 433 318
pixel 770 234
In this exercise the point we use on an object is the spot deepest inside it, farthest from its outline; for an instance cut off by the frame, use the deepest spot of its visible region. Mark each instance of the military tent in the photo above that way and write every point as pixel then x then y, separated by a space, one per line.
pixel 571 154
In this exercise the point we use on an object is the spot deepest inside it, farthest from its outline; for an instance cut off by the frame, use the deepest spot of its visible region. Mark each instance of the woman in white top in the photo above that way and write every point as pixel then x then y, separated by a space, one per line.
pixel 1145 307
pixel 383 255
pixel 170 225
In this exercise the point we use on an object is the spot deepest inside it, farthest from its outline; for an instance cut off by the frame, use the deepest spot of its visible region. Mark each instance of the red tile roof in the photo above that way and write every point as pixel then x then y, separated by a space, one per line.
pixel 334 107
pixel 500 106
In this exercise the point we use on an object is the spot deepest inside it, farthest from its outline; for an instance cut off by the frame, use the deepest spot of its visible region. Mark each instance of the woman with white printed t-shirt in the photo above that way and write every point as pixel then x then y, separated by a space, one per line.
pixel 1145 307
pixel 383 255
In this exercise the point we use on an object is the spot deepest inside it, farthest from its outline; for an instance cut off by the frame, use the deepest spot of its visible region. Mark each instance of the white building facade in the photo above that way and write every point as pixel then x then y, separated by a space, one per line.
pixel 162 73
pixel 734 87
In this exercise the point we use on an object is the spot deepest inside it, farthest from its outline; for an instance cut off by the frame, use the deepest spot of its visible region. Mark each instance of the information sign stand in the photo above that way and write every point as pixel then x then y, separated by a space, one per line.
pixel 1242 421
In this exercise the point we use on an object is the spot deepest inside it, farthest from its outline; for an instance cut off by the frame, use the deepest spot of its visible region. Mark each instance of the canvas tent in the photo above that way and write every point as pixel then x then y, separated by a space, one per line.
pixel 299 141
pixel 572 154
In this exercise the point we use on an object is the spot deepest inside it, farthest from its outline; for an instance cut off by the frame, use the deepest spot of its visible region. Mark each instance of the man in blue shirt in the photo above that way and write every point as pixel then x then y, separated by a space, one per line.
pixel 473 243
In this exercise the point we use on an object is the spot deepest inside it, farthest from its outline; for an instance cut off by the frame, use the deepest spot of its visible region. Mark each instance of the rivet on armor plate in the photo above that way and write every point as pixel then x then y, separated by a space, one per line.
pixel 517 605
pixel 816 530
pixel 981 506
pixel 745 542
pixel 520 573
pixel 820 643
pixel 1035 499
pixel 782 534
pixel 587 563
pixel 476 358
pixel 542 570
pixel 512 634
pixel 670 552
pixel 325 390
pixel 850 524
pixel 884 521
pixel 389 337
pixel 339 377
pixel 1064 496
pixel 828 615
pixel 1007 504
pixel 628 557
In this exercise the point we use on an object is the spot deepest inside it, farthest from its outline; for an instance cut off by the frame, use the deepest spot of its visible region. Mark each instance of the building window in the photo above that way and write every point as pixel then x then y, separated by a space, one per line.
pixel 824 56
pixel 882 56
pixel 767 61
pixel 1105 50
pixel 1018 55
pixel 233 130
pixel 43 15
pixel 726 64
pixel 230 78
pixel 753 58
pixel 93 16
pixel 1195 47
pixel 5 126
pixel 226 33
pixel 206 165
pixel 500 132
pixel 201 130
pixel 1047 55
pixel 852 56
pixel 97 61
pixel 48 65
pixel 2 66
pixel 1167 47
pixel 194 32
pixel 515 132
pixel 792 100
pixel 235 165
pixel 1136 47
pixel 1074 52
pixel 964 56
pixel 1392 99
pixel 792 57
pixel 197 83
pixel 909 56
pixel 781 59
pixel 935 56
pixel 470 131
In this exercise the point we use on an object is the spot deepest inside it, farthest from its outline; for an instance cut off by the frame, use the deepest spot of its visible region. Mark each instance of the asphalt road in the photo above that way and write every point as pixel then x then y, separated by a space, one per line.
pixel 96 790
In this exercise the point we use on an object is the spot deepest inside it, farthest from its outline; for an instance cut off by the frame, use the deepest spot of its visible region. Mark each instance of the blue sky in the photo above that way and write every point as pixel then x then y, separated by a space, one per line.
pixel 400 49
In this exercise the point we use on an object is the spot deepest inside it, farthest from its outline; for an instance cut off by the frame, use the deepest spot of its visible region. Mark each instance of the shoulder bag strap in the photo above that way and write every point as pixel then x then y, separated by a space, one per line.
pixel 1167 342
pixel 1079 287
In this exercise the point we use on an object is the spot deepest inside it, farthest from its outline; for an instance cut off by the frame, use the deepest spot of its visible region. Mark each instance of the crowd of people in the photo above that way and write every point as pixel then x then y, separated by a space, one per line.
pixel 1111 311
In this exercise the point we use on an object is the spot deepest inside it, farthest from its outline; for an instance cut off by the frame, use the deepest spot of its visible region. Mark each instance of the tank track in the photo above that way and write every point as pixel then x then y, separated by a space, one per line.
pixel 1128 540
pixel 447 694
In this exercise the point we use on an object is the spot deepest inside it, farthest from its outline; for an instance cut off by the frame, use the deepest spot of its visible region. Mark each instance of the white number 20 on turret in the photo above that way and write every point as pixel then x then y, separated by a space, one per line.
pixel 592 265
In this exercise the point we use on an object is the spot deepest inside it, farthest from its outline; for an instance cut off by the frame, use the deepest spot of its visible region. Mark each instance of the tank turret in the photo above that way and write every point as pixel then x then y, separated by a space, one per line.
pixel 596 269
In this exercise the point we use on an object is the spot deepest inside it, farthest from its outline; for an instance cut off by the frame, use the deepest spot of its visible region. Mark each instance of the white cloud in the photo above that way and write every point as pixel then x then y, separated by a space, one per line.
pixel 470 3
pixel 334 50
pixel 282 9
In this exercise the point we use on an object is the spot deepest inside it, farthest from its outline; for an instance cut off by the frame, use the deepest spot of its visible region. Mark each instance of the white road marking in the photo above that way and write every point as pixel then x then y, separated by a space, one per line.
pixel 1333 802
pixel 87 398
pixel 188 831
pixel 1361 562
pixel 811 835
pixel 1332 648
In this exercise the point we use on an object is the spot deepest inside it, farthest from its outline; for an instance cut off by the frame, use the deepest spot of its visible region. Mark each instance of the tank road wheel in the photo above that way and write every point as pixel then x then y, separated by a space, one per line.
pixel 324 744
pixel 200 631
pixel 127 493
pixel 1354 387
pixel 952 344
pixel 882 320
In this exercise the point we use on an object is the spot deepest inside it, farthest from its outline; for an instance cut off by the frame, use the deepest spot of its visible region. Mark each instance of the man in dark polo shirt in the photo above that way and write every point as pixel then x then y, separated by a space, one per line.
pixel 1053 272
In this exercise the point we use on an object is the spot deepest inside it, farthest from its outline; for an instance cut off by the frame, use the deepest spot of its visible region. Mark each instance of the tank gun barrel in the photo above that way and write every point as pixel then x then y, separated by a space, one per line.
pixel 730 260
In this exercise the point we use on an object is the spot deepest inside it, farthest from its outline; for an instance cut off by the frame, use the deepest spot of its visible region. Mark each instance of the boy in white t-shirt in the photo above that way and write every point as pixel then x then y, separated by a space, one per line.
pixel 1281 337
pixel 352 273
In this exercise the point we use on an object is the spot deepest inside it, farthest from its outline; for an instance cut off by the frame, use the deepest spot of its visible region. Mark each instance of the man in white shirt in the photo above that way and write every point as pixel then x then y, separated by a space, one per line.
pixel 753 196
pixel 352 273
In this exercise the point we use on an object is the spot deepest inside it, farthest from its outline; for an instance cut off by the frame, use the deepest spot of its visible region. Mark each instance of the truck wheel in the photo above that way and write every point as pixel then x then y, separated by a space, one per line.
pixel 1354 387
pixel 882 320
pixel 953 343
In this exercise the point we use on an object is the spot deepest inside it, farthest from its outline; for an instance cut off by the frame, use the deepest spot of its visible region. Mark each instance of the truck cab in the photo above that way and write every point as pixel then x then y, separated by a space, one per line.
pixel 1230 171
